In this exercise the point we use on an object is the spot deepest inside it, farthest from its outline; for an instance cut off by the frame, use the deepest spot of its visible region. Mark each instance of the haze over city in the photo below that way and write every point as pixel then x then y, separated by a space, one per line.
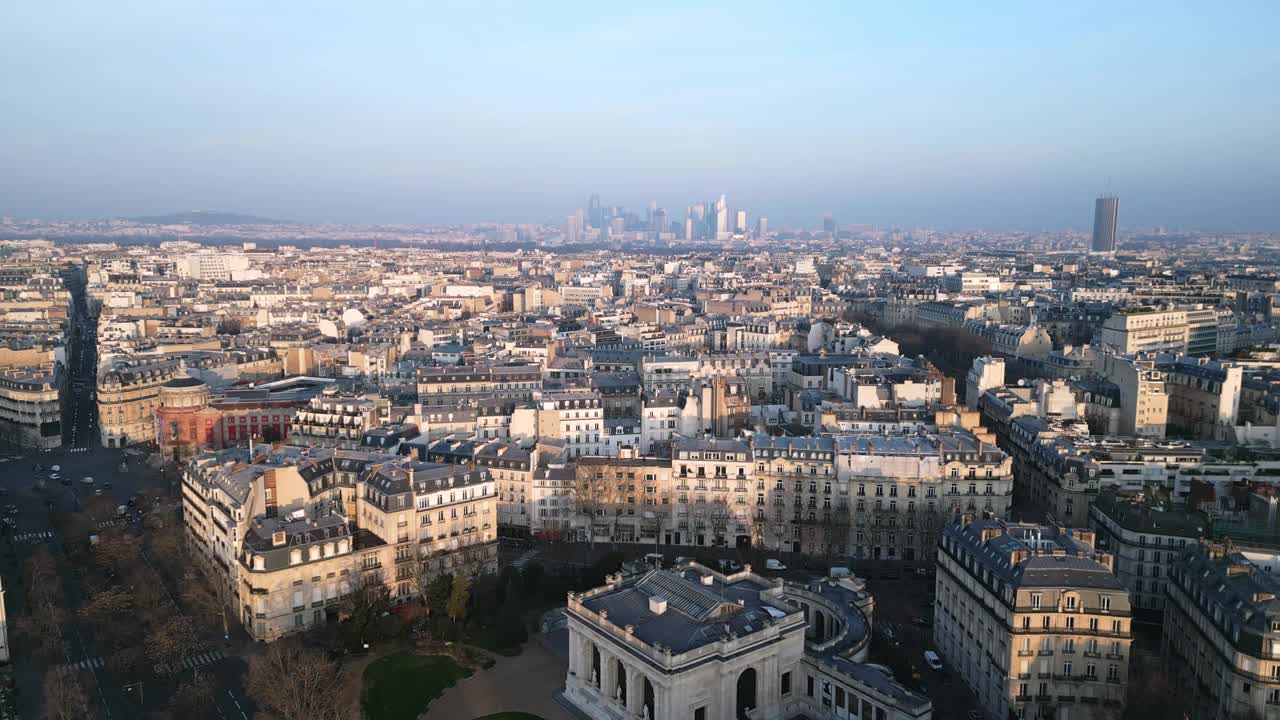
pixel 591 361
pixel 953 116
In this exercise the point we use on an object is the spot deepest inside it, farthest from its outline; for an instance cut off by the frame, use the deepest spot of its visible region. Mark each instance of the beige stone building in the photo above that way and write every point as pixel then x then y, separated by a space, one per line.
pixel 30 406
pixel 689 643
pixel 289 532
pixel 1032 619
pixel 128 396
pixel 1222 634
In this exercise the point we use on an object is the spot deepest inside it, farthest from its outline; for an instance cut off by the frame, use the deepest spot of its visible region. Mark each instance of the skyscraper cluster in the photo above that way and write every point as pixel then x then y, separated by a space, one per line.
pixel 710 220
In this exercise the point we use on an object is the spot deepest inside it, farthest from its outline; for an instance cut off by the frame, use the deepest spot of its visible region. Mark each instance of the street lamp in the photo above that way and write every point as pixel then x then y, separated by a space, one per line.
pixel 138 686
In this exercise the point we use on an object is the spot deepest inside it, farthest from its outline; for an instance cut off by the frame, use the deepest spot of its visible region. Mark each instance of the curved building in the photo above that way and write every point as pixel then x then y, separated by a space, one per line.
pixel 690 642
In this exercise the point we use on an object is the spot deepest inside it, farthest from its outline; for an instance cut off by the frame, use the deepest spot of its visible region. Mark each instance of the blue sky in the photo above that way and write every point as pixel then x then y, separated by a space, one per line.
pixel 996 115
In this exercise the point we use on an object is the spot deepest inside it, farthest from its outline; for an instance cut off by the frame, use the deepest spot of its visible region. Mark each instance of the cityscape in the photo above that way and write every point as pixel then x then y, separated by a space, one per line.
pixel 561 361
pixel 705 464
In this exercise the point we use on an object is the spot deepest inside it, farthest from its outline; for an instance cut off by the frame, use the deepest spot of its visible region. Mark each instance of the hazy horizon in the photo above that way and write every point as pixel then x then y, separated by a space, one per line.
pixel 951 117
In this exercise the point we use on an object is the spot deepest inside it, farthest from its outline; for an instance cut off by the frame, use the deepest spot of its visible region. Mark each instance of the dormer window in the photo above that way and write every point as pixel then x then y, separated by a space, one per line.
pixel 295 556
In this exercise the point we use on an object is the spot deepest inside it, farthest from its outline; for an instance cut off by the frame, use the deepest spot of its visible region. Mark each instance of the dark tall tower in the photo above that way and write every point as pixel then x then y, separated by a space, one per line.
pixel 1105 212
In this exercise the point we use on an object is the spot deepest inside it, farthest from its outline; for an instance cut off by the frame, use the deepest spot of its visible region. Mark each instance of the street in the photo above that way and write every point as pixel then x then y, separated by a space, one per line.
pixel 39 491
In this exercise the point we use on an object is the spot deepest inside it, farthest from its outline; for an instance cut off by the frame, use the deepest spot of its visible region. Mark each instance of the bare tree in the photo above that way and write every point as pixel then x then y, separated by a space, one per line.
pixel 597 498
pixel 46 616
pixel 366 602
pixel 171 642
pixel 193 699
pixel 107 604
pixel 718 516
pixel 116 551
pixel 474 558
pixel 292 681
pixel 205 597
pixel 64 698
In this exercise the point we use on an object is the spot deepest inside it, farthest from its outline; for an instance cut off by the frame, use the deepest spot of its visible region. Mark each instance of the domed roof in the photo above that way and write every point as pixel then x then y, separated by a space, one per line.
pixel 353 318
pixel 184 382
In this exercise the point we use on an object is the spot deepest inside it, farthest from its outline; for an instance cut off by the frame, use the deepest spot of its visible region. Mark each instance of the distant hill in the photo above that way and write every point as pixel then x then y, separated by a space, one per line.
pixel 205 217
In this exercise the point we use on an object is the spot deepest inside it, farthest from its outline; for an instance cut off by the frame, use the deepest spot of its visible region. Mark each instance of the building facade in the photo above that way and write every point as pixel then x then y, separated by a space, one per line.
pixel 1222 635
pixel 1032 619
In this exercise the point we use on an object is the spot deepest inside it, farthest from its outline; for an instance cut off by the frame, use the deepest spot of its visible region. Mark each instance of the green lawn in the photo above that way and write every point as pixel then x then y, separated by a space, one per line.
pixel 399 687
pixel 510 716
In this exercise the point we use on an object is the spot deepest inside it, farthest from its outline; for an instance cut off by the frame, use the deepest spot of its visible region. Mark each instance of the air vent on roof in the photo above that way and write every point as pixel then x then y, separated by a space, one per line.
pixel 657 605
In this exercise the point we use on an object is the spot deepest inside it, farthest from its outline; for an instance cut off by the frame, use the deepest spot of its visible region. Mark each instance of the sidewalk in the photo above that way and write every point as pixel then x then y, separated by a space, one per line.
pixel 523 683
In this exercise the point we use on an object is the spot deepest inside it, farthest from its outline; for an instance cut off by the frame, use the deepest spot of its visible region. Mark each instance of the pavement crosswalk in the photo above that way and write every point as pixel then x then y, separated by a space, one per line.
pixel 85 664
pixel 195 661
pixel 34 537
pixel 524 559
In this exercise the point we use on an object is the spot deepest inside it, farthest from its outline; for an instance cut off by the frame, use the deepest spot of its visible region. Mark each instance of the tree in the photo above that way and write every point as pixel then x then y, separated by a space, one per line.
pixel 46 616
pixel 426 569
pixel 64 698
pixel 438 591
pixel 204 597
pixel 128 663
pixel 293 682
pixel 107 604
pixel 193 699
pixel 117 551
pixel 171 642
pixel 458 597
pixel 473 559
pixel 598 499
pixel 366 603
pixel 509 631
pixel 532 578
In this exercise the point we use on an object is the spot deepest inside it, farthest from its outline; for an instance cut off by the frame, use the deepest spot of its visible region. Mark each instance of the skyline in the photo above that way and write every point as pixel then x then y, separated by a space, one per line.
pixel 951 118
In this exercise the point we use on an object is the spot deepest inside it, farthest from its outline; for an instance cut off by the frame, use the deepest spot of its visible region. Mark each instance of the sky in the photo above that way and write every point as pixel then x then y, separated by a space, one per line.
pixel 952 115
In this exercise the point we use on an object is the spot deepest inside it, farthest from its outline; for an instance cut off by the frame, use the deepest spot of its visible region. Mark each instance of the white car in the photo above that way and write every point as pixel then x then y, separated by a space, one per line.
pixel 87 479
pixel 772 564
pixel 932 660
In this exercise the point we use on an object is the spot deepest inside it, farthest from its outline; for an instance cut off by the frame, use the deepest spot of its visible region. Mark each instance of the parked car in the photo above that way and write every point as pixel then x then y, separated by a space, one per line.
pixel 839 572
pixel 772 564
pixel 729 566
pixel 932 660
pixel 87 479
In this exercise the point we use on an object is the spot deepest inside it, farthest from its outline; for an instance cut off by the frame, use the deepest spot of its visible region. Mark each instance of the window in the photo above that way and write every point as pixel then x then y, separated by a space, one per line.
pixel 786 683
pixel 810 685
pixel 1104 601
